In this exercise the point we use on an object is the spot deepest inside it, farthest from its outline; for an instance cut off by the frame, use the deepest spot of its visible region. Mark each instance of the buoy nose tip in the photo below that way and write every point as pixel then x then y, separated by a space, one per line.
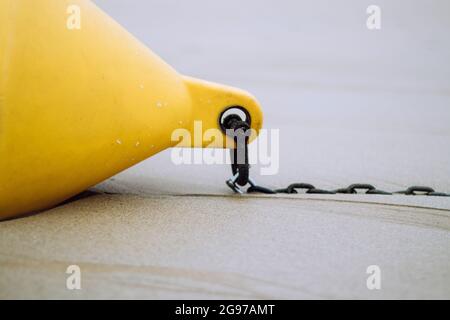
pixel 212 102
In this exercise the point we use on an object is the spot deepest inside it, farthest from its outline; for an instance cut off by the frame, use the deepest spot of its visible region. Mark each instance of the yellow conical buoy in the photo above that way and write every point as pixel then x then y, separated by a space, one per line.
pixel 78 105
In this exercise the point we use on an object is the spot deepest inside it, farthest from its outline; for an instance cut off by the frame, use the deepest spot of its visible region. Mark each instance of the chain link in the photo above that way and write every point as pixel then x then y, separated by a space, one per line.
pixel 241 176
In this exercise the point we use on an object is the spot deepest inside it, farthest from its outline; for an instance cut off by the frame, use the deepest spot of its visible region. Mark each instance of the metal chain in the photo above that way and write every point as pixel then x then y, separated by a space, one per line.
pixel 241 177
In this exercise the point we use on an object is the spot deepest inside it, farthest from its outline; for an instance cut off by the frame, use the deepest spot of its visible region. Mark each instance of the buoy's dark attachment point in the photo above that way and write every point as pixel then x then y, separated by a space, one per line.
pixel 234 113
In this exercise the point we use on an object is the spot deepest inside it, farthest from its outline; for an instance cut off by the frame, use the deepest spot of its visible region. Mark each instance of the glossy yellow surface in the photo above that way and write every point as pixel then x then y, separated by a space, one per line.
pixel 80 105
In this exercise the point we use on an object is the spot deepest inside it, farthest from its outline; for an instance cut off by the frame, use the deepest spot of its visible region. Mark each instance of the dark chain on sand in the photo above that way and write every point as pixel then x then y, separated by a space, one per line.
pixel 239 131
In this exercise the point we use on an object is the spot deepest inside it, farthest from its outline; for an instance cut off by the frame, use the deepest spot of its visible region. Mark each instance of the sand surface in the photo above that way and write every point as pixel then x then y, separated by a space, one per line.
pixel 352 105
